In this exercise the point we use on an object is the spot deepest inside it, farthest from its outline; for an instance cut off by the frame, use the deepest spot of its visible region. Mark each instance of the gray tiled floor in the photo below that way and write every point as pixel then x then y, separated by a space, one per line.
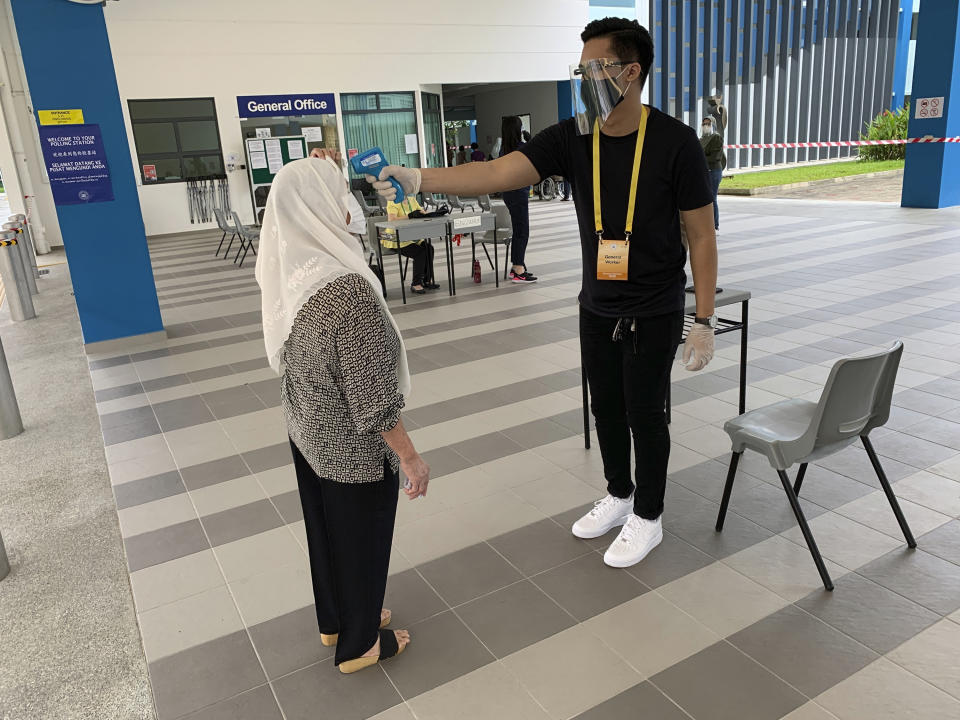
pixel 511 616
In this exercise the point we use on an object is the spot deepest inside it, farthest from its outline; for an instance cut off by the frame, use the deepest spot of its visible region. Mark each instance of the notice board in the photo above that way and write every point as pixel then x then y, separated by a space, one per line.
pixel 76 164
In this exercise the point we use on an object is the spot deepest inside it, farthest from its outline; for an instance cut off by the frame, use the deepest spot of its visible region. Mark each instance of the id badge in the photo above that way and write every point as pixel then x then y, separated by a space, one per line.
pixel 612 259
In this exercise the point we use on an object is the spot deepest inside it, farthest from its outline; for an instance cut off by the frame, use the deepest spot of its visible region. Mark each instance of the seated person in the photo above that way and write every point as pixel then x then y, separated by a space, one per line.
pixel 420 252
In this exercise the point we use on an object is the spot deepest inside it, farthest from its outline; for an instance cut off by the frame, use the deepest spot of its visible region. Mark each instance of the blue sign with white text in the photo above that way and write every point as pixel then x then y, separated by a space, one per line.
pixel 276 105
pixel 76 164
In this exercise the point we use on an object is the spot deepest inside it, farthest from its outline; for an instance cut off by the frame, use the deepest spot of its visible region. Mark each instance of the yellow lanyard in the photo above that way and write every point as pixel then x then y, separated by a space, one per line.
pixel 638 154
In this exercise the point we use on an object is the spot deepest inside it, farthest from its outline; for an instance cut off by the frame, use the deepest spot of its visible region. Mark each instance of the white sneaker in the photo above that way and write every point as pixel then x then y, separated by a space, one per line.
pixel 634 543
pixel 607 514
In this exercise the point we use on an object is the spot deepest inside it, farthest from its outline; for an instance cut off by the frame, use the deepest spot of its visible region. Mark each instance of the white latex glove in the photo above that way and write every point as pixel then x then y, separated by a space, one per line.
pixel 698 349
pixel 409 179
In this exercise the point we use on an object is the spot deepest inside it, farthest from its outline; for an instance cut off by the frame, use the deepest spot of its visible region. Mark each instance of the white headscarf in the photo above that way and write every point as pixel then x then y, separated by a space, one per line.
pixel 304 245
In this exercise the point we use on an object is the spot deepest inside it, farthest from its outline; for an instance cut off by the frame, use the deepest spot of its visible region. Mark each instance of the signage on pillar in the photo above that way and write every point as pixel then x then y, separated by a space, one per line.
pixel 60 117
pixel 149 173
pixel 76 164
pixel 277 105
pixel 929 108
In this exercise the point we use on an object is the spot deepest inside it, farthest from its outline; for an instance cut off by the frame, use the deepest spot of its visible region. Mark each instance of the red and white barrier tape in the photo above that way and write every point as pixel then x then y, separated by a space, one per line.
pixel 840 143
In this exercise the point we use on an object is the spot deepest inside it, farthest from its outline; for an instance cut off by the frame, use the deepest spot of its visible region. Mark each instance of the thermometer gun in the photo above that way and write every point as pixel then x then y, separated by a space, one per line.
pixel 372 162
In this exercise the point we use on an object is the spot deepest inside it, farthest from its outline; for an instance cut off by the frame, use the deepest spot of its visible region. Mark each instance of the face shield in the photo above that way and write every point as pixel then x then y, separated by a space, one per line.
pixel 596 89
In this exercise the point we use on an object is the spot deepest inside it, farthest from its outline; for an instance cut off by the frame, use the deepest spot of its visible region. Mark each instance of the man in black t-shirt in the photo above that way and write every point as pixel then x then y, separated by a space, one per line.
pixel 632 299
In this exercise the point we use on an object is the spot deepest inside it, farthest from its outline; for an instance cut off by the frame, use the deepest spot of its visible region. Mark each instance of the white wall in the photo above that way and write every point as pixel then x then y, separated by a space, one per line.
pixel 539 100
pixel 225 48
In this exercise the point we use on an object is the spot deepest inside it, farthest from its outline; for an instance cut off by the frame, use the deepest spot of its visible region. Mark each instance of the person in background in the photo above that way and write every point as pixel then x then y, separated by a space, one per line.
pixel 526 136
pixel 517 202
pixel 712 142
pixel 462 155
pixel 344 377
pixel 566 189
pixel 477 155
pixel 652 178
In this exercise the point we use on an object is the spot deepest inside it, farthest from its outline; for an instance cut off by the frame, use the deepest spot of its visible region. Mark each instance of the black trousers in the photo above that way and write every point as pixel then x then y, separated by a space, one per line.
pixel 349 535
pixel 517 202
pixel 422 256
pixel 628 392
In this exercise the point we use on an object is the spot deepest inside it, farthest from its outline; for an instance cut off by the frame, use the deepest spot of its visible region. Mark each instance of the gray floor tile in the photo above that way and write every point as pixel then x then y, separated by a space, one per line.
pixel 920 576
pixel 869 613
pixel 644 699
pixel 708 383
pixel 445 461
pixel 947 387
pixel 807 653
pixel 720 683
pixel 769 507
pixel 441 649
pixel 214 472
pixel 937 430
pixel 248 365
pixel 855 464
pixel 133 431
pixel 210 373
pixel 539 432
pixel 169 543
pixel 240 407
pixel 586 586
pixel 697 528
pixel 289 642
pixel 289 506
pixel 203 675
pixel 182 413
pixel 671 559
pixel 828 489
pixel 228 396
pixel 148 489
pixel 241 522
pixel 411 599
pixel 779 363
pixel 708 478
pixel 539 546
pixel 109 362
pixel 257 704
pixel 469 573
pixel 120 391
pixel 321 691
pixel 126 417
pixel 268 458
pixel 914 451
pixel 925 402
pixel 514 618
pixel 944 542
pixel 165 382
pixel 488 447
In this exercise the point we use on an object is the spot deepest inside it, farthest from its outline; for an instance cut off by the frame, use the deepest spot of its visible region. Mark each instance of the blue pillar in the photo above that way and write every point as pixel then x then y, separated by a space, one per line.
pixel 564 100
pixel 67 58
pixel 904 27
pixel 932 175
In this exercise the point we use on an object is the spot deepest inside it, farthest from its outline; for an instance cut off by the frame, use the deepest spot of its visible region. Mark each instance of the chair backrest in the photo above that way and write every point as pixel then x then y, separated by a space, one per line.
pixel 857 396
pixel 381 202
pixel 503 216
pixel 222 220
pixel 240 229
pixel 368 209
pixel 484 202
pixel 454 201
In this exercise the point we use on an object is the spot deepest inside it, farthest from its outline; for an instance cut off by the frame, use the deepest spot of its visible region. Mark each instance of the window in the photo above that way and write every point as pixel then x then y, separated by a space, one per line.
pixel 384 120
pixel 432 130
pixel 179 138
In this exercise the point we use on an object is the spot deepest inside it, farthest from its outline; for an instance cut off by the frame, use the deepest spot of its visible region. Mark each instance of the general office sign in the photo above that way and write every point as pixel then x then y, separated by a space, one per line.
pixel 251 106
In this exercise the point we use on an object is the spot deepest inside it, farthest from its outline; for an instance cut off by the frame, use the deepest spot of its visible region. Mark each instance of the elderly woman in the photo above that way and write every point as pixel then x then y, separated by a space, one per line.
pixel 330 336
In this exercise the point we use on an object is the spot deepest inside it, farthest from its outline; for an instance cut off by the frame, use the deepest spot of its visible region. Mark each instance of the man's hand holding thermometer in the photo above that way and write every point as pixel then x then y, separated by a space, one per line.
pixel 391 182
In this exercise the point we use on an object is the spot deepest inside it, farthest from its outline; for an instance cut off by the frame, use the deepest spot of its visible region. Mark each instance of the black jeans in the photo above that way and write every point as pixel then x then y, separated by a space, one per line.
pixel 422 256
pixel 517 203
pixel 349 535
pixel 628 392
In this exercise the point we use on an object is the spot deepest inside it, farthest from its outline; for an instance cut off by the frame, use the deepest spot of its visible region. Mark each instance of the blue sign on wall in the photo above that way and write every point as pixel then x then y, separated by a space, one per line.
pixel 276 105
pixel 76 164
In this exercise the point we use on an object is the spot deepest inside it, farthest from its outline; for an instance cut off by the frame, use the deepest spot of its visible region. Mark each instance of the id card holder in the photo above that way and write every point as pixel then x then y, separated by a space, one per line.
pixel 613 258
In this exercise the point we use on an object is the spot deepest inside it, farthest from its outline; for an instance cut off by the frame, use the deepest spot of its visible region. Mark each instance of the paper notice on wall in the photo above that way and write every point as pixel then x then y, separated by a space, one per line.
pixel 255 145
pixel 411 141
pixel 313 134
pixel 274 156
pixel 258 160
pixel 263 132
pixel 294 149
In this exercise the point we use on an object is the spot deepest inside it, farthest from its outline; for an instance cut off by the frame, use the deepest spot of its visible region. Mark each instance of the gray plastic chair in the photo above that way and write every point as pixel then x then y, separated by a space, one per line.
pixel 368 209
pixel 502 234
pixel 224 225
pixel 457 204
pixel 484 202
pixel 855 401
pixel 248 235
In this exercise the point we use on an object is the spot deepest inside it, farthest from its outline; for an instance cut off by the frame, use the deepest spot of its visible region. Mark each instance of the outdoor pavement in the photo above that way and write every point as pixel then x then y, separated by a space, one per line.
pixel 882 188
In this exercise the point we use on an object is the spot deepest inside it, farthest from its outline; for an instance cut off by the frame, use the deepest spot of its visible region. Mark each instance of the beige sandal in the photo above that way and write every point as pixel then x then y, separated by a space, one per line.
pixel 389 647
pixel 331 640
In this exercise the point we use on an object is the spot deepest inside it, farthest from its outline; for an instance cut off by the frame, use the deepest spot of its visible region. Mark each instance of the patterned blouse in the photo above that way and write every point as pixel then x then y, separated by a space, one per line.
pixel 339 386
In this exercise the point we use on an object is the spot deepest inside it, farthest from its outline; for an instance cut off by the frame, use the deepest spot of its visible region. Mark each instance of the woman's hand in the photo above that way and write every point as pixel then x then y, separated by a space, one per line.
pixel 418 476
pixel 327 153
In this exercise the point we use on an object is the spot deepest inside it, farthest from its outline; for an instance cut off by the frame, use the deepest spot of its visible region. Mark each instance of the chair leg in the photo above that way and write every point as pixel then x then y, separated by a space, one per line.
pixel 731 474
pixel 226 253
pixel 882 476
pixel 487 253
pixel 220 246
pixel 506 257
pixel 799 481
pixel 805 529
